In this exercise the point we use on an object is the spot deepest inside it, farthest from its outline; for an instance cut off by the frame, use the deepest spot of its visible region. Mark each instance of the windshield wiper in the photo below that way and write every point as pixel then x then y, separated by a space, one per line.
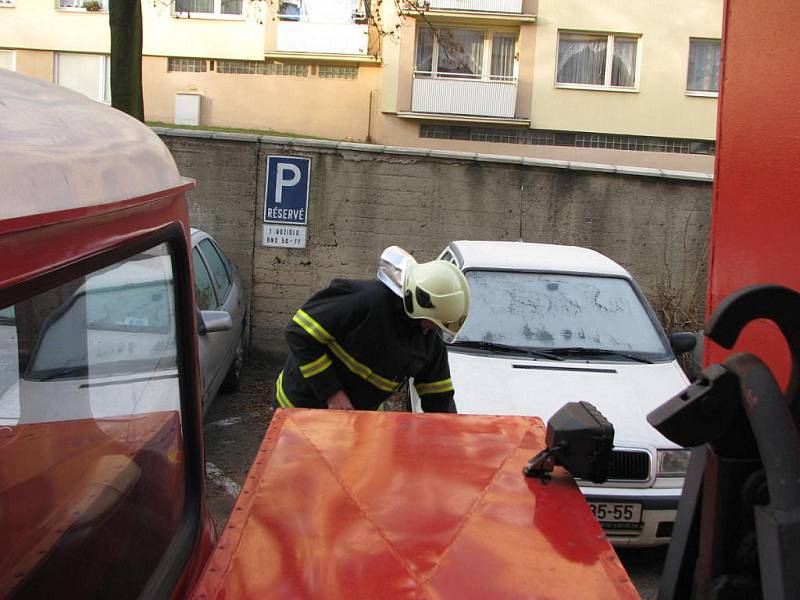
pixel 495 347
pixel 589 352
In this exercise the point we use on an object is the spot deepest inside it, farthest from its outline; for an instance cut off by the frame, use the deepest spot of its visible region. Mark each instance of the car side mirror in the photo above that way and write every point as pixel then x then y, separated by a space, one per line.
pixel 210 321
pixel 682 342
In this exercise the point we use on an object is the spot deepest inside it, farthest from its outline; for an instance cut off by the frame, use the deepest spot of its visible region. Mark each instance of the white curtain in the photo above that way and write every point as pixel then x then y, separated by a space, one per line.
pixel 424 49
pixel 503 56
pixel 198 6
pixel 703 66
pixel 231 7
pixel 460 51
pixel 581 59
pixel 623 68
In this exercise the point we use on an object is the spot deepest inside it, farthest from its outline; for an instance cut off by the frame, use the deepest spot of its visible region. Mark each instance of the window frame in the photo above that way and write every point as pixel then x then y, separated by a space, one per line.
pixel 486 59
pixel 217 15
pixel 13 54
pixel 610 40
pixel 103 7
pixel 104 72
pixel 166 575
pixel 702 93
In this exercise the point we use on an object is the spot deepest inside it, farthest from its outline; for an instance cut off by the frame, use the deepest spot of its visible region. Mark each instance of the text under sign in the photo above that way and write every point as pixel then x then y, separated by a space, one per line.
pixel 287 190
pixel 284 236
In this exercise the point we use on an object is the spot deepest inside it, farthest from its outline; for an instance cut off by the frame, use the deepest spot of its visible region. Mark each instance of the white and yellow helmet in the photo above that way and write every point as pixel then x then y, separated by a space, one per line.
pixel 437 291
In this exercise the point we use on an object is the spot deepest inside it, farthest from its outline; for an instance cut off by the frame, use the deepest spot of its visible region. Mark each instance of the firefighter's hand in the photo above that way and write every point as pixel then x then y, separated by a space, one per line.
pixel 340 401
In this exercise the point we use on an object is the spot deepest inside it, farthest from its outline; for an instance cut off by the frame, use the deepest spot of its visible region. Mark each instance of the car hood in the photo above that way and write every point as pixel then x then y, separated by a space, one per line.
pixel 624 392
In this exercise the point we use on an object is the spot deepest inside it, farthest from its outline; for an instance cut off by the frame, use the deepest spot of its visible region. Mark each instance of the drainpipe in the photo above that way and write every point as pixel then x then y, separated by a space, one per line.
pixel 369 117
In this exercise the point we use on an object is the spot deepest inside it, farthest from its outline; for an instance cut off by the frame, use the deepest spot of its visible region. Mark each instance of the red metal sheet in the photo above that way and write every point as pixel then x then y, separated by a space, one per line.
pixel 755 211
pixel 373 505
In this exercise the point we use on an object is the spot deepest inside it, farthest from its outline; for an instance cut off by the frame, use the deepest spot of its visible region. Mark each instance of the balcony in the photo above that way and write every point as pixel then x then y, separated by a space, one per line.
pixel 322 38
pixel 472 97
pixel 490 6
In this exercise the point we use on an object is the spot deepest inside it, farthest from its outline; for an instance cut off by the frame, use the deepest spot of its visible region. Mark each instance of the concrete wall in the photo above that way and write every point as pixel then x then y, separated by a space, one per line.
pixel 364 198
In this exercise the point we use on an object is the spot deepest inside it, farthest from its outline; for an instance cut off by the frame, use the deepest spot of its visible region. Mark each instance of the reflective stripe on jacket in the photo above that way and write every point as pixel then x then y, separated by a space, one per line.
pixel 354 336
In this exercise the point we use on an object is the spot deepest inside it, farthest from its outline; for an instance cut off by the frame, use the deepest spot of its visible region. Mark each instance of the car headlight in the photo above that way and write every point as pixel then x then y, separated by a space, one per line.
pixel 672 463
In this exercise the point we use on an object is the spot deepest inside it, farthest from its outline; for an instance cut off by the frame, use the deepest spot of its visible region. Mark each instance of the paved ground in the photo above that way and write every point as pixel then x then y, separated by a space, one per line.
pixel 236 423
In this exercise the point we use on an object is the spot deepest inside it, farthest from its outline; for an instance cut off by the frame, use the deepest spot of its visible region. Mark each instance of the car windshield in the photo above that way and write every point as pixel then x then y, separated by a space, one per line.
pixel 576 315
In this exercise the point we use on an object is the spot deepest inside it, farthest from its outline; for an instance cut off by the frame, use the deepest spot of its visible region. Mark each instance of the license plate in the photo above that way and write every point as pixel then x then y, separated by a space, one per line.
pixel 613 515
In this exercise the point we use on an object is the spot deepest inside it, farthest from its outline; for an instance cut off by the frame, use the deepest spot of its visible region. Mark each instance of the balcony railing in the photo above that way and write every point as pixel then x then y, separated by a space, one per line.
pixel 464 96
pixel 322 38
pixel 499 6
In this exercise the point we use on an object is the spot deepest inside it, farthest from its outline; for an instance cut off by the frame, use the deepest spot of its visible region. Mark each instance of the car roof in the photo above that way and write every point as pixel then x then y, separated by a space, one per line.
pixel 63 151
pixel 534 257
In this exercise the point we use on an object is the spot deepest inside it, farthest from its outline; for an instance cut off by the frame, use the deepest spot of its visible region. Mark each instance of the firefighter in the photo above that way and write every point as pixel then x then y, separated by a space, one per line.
pixel 354 343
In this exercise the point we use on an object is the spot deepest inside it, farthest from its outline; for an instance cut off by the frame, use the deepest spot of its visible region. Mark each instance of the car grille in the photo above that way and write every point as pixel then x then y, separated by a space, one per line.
pixel 629 465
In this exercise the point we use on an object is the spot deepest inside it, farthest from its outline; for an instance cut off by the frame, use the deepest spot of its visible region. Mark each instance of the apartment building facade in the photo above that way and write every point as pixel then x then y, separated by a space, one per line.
pixel 627 82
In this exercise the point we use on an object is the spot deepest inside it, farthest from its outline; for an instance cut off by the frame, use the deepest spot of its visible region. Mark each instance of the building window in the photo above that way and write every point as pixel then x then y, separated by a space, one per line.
pixel 187 65
pixel 703 77
pixel 544 137
pixel 338 72
pixel 223 9
pixel 254 67
pixel 465 53
pixel 89 74
pixel 8 60
pixel 605 61
pixel 291 10
pixel 87 5
pixel 242 67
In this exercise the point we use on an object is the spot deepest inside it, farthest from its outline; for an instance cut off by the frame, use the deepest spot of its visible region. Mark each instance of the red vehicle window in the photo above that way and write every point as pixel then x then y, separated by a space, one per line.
pixel 92 475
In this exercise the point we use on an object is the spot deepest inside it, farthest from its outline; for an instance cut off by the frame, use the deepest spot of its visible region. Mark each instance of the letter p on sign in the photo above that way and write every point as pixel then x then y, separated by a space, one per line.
pixel 287 190
pixel 288 176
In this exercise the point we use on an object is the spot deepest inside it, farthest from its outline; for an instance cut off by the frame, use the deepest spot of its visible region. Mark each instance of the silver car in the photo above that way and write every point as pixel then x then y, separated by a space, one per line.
pixel 220 296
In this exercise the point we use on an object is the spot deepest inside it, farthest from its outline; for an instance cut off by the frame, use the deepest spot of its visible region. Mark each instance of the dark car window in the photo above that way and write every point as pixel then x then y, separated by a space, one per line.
pixel 92 478
pixel 218 269
pixel 203 288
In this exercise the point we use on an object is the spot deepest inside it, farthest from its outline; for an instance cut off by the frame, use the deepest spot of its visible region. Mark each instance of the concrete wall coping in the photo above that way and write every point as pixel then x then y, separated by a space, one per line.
pixel 445 154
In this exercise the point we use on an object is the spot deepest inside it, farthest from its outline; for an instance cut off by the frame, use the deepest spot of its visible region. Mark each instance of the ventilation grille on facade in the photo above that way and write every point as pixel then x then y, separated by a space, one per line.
pixel 629 465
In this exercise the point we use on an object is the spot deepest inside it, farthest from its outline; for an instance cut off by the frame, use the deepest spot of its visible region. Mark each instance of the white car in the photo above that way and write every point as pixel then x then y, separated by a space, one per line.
pixel 553 324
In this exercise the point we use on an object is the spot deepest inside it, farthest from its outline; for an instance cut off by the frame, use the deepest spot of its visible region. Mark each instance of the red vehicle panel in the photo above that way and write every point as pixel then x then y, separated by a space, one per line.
pixel 369 505
pixel 755 210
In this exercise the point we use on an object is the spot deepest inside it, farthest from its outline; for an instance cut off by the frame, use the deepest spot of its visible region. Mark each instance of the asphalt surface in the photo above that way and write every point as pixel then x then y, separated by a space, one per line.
pixel 235 425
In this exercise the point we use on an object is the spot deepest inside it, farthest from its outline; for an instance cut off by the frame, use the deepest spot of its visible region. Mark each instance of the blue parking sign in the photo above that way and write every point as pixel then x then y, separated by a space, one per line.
pixel 288 184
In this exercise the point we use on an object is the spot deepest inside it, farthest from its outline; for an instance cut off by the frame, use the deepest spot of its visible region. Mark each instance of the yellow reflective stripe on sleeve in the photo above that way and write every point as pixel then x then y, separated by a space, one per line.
pixel 311 327
pixel 317 331
pixel 316 367
pixel 436 387
pixel 282 399
pixel 362 370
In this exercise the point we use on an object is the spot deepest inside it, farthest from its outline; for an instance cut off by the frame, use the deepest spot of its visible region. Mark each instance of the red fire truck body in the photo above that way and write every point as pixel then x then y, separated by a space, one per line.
pixel 755 216
pixel 101 449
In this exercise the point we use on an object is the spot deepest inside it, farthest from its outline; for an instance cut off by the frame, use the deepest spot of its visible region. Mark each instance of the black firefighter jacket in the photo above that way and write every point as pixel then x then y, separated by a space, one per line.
pixel 355 336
